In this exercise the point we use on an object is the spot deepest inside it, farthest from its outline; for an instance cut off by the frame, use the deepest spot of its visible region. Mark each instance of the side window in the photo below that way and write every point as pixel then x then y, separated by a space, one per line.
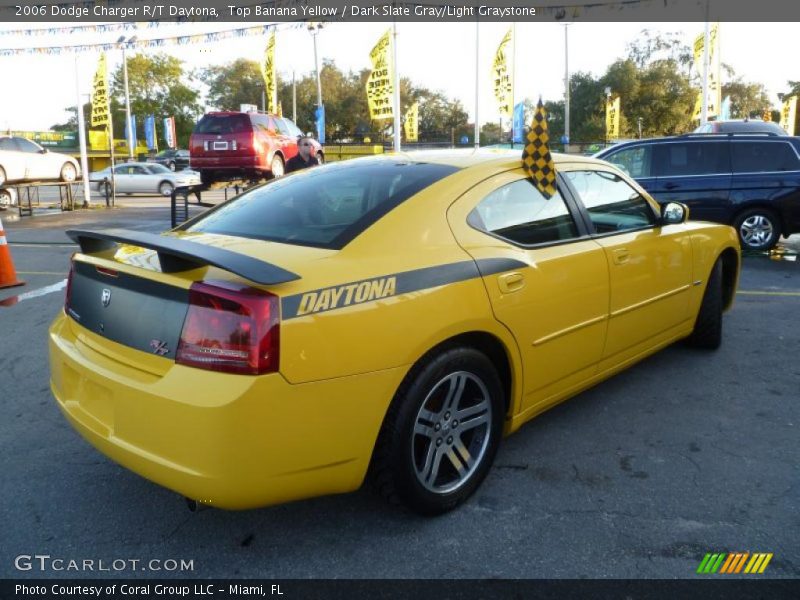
pixel 27 146
pixel 260 123
pixel 692 158
pixel 138 171
pixel 282 126
pixel 761 157
pixel 7 143
pixel 612 204
pixel 518 212
pixel 634 161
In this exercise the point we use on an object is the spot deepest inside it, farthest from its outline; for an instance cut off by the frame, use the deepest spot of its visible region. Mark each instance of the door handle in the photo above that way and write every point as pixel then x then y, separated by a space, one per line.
pixel 621 256
pixel 511 282
pixel 671 185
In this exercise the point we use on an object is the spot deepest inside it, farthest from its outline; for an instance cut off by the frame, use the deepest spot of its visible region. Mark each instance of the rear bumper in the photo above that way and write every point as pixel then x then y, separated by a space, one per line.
pixel 230 441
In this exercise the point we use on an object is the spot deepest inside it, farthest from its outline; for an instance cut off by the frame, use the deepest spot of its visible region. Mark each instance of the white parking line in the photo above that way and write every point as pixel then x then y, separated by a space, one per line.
pixel 56 287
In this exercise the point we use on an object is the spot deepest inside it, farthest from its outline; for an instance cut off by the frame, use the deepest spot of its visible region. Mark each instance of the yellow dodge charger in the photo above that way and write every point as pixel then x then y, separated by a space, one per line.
pixel 390 317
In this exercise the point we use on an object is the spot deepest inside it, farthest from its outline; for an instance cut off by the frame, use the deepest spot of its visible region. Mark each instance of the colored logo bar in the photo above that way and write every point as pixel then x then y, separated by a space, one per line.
pixel 734 562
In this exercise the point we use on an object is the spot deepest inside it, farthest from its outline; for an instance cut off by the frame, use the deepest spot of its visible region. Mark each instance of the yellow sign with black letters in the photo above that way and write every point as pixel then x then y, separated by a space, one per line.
pixel 380 86
pixel 100 94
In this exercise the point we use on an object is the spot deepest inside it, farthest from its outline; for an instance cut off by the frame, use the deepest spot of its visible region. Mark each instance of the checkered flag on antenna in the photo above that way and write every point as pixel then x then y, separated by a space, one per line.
pixel 536 158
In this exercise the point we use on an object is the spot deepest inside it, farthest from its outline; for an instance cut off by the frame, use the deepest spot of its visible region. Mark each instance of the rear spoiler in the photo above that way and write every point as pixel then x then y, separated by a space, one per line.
pixel 176 254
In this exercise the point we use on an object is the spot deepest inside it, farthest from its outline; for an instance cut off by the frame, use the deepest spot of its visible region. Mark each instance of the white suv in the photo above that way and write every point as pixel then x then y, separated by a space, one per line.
pixel 24 160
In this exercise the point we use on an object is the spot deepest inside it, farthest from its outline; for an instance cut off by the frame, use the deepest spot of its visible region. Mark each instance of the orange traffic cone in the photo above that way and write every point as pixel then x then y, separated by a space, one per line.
pixel 8 276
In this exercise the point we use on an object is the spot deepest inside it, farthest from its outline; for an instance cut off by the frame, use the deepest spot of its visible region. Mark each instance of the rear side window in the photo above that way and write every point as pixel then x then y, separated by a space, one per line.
pixel 518 212
pixel 635 161
pixel 612 204
pixel 7 143
pixel 325 207
pixel 692 158
pixel 762 157
pixel 223 124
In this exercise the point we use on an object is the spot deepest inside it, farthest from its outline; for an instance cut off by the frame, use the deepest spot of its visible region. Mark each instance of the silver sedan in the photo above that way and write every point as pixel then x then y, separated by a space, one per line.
pixel 144 178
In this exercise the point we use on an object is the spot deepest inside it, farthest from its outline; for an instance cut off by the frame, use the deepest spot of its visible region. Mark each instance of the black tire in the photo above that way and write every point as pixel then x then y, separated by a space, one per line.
pixel 708 325
pixel 421 440
pixel 165 188
pixel 758 229
pixel 321 158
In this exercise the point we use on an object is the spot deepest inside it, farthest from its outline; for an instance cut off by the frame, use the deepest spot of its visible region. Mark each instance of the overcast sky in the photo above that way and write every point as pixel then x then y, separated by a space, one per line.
pixel 36 89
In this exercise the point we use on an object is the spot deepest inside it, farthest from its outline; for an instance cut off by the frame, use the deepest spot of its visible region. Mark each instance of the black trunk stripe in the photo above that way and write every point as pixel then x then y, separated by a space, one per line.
pixel 385 286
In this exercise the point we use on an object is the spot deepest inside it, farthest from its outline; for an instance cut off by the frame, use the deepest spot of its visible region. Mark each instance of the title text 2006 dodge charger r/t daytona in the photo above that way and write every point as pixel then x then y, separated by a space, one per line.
pixel 391 316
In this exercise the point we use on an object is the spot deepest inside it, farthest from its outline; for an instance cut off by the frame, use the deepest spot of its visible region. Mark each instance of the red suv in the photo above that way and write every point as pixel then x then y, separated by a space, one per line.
pixel 251 145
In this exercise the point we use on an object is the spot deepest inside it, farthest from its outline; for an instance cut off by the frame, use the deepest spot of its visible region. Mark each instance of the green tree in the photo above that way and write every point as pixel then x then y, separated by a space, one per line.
pixel 233 84
pixel 747 99
pixel 652 47
pixel 160 86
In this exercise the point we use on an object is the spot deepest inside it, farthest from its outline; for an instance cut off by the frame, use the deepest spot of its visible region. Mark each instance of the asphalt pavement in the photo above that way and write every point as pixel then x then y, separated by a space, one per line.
pixel 686 453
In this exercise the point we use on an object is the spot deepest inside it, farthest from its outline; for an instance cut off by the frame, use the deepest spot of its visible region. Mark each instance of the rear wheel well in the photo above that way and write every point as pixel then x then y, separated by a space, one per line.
pixel 730 266
pixel 485 343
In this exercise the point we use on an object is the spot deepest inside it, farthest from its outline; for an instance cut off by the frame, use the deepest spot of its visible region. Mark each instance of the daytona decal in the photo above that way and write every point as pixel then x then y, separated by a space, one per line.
pixel 386 286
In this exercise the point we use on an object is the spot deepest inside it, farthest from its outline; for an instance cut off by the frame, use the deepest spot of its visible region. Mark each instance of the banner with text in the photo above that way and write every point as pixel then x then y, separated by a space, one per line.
pixel 100 94
pixel 380 85
pixel 789 115
pixel 411 124
pixel 270 74
pixel 612 119
pixel 501 75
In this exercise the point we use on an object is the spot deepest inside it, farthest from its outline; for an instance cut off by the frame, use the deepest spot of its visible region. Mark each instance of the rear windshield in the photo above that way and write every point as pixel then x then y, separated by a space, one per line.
pixel 221 124
pixel 324 207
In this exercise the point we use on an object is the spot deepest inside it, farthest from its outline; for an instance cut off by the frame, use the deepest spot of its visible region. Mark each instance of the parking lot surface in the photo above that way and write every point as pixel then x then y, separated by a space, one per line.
pixel 686 453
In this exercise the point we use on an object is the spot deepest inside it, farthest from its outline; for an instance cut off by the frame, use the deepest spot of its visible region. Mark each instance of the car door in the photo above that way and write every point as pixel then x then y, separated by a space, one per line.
pixel 649 266
pixel 547 280
pixel 288 141
pixel 142 180
pixel 124 180
pixel 696 172
pixel 37 165
pixel 11 159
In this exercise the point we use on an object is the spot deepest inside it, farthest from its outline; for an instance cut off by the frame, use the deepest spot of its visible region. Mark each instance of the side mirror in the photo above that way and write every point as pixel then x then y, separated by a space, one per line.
pixel 43 151
pixel 673 213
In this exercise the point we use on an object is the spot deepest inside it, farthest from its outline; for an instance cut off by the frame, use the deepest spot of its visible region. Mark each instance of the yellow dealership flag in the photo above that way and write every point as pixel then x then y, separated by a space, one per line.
pixel 612 119
pixel 789 115
pixel 100 94
pixel 411 124
pixel 536 158
pixel 501 76
pixel 270 74
pixel 379 84
pixel 714 81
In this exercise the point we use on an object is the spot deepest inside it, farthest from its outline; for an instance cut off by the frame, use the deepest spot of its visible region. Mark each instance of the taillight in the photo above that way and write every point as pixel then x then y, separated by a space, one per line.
pixel 230 329
pixel 205 145
pixel 233 145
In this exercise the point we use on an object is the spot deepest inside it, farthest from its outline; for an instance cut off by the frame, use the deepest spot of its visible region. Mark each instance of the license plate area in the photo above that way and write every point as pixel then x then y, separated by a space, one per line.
pixel 220 145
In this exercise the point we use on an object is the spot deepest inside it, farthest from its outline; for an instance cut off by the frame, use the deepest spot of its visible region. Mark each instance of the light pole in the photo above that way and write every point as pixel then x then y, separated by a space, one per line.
pixel 313 28
pixel 122 41
pixel 566 86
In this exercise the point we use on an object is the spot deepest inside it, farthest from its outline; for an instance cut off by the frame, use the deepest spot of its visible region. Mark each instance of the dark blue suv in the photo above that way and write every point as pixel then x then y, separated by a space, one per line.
pixel 749 181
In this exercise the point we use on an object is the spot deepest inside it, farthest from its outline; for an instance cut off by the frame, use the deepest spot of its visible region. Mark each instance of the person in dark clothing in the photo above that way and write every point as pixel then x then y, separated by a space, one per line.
pixel 303 159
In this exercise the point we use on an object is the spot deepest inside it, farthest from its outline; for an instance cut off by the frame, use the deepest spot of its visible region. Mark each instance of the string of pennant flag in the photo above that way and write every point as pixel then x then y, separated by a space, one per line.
pixel 178 40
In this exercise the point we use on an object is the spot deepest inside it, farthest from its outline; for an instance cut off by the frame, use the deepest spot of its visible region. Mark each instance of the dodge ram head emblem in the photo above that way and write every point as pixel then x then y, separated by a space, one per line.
pixel 105 297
